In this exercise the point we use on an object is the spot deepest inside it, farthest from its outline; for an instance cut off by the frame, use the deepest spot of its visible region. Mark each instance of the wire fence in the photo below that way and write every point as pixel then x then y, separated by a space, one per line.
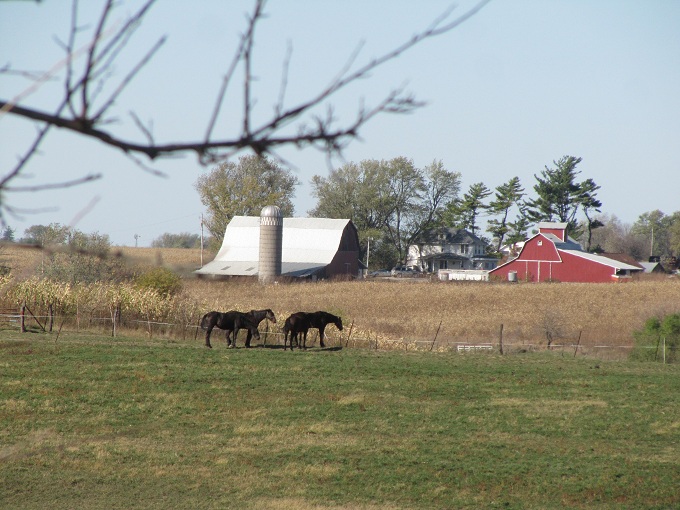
pixel 271 337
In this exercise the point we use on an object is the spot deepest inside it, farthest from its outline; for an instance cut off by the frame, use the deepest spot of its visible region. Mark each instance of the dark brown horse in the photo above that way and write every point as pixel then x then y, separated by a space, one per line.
pixel 231 322
pixel 320 320
pixel 296 324
pixel 301 322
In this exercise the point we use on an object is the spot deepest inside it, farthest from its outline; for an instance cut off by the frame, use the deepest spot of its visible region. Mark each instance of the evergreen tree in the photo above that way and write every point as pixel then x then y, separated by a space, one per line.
pixel 590 205
pixel 508 195
pixel 464 213
pixel 8 234
pixel 557 193
pixel 559 197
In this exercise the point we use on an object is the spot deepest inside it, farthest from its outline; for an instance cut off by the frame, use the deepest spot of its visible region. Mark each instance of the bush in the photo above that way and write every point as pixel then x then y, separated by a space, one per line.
pixel 657 333
pixel 162 280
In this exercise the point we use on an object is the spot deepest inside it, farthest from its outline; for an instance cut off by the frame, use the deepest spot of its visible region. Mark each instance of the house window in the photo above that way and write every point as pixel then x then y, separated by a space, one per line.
pixel 463 248
pixel 442 264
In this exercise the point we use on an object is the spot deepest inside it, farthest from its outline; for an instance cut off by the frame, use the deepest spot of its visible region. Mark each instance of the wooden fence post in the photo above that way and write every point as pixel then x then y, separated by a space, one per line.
pixel 500 340
pixel 435 335
pixel 50 316
pixel 23 317
pixel 349 334
pixel 113 321
pixel 578 343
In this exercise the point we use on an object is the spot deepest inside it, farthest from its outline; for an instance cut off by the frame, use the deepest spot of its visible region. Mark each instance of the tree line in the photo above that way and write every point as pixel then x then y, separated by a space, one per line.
pixel 392 203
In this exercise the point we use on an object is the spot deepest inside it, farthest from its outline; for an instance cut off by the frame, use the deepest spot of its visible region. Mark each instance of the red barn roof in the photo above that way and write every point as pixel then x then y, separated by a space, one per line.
pixel 551 255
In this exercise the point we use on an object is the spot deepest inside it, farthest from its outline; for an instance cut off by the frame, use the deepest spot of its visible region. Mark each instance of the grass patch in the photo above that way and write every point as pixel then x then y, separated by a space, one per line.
pixel 95 422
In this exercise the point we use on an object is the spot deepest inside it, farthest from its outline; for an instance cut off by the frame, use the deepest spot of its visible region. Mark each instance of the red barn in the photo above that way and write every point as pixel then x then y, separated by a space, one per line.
pixel 551 255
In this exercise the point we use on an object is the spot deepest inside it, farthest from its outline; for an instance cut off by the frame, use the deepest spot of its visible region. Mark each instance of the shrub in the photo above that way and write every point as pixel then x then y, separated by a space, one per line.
pixel 657 334
pixel 161 280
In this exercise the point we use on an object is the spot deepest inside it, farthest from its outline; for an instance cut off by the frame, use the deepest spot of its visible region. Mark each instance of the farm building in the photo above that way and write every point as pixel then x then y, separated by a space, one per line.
pixel 652 267
pixel 449 248
pixel 551 255
pixel 310 248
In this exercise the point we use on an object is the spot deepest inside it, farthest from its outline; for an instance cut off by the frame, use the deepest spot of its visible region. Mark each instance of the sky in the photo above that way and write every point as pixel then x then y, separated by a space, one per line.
pixel 508 92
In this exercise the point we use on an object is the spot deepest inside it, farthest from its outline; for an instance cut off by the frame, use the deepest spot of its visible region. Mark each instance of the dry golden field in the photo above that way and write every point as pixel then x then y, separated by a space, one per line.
pixel 409 313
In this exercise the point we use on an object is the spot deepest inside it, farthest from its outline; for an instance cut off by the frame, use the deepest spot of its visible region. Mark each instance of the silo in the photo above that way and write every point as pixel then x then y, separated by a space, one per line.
pixel 271 244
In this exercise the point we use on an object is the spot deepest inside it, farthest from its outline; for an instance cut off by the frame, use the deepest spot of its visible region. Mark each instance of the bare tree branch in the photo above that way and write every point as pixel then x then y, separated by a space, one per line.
pixel 109 39
pixel 58 185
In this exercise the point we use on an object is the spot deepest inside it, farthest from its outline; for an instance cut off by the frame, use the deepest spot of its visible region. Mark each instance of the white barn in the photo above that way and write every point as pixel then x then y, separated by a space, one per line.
pixel 312 247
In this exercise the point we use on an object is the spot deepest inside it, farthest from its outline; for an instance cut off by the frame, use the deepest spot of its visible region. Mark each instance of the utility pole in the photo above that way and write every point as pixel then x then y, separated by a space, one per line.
pixel 201 240
pixel 368 252
pixel 137 236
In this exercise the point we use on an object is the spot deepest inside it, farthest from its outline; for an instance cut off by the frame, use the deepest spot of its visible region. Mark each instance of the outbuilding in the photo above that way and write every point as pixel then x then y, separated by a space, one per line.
pixel 551 255
pixel 310 248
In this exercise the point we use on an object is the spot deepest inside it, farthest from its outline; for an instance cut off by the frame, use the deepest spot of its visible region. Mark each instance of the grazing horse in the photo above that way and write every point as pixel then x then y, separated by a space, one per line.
pixel 296 324
pixel 231 322
pixel 256 316
pixel 318 320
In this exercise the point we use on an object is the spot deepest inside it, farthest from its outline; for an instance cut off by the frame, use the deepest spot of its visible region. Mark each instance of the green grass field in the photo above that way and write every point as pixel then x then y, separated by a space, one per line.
pixel 96 422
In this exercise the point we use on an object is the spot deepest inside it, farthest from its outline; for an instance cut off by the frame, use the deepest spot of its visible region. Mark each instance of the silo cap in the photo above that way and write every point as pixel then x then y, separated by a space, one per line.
pixel 271 211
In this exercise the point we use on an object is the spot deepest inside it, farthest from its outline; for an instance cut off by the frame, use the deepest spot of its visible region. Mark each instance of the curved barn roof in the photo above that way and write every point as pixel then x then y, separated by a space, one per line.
pixel 309 245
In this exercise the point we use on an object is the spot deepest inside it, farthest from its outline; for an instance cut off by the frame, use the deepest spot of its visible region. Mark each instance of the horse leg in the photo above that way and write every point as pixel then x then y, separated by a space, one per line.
pixel 321 330
pixel 207 336
pixel 250 335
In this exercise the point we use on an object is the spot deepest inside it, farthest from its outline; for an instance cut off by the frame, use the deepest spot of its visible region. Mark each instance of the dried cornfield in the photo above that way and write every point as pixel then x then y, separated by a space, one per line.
pixel 439 314
pixel 424 314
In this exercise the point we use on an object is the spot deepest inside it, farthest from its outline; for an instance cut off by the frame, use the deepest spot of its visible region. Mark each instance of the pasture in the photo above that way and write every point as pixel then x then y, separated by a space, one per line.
pixel 93 421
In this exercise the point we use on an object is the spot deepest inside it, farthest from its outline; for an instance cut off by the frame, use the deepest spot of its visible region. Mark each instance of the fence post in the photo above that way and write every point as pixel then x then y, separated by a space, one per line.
pixel 578 343
pixel 349 334
pixel 113 321
pixel 435 335
pixel 23 317
pixel 50 316
pixel 500 340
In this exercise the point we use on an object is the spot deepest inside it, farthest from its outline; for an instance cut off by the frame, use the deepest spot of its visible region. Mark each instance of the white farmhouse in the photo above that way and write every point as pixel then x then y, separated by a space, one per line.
pixel 450 248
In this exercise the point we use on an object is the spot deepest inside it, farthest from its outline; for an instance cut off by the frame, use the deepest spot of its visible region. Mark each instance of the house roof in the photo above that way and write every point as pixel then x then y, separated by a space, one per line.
pixel 651 267
pixel 309 245
pixel 446 235
pixel 445 256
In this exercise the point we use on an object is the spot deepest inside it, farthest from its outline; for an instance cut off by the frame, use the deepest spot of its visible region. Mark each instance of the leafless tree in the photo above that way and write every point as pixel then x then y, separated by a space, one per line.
pixel 85 107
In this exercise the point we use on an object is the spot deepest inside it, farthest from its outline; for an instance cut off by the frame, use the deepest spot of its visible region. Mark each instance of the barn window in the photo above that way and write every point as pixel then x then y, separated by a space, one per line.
pixel 540 243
